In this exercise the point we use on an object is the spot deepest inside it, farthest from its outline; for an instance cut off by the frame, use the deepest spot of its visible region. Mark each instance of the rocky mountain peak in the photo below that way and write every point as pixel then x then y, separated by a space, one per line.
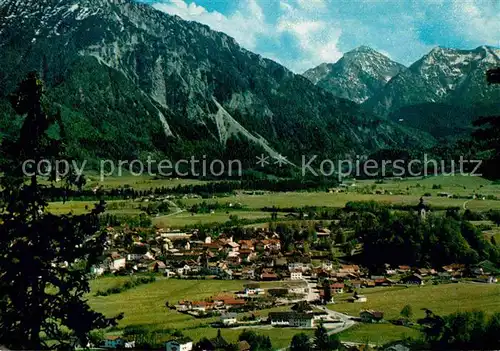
pixel 357 75
pixel 363 49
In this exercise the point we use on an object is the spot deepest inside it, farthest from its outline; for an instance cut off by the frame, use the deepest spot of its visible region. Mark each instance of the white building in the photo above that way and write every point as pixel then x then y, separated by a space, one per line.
pixel 327 265
pixel 134 256
pixel 254 291
pixel 292 266
pixel 229 319
pixel 358 298
pixel 179 345
pixel 184 270
pixel 291 319
pixel 98 269
pixel 296 275
pixel 117 263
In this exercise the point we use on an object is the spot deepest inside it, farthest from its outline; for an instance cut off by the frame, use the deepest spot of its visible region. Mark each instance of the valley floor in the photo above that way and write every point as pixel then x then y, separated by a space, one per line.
pixel 145 306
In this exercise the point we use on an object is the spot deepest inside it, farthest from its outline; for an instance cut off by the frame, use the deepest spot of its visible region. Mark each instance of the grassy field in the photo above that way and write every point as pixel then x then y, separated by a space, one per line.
pixel 142 182
pixel 404 192
pixel 145 305
pixel 378 334
pixel 300 199
pixel 493 232
pixel 138 182
pixel 119 207
pixel 441 299
pixel 458 185
pixel 185 218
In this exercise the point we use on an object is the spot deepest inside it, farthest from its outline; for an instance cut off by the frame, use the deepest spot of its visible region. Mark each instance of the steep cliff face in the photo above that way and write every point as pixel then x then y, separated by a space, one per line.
pixel 357 76
pixel 130 79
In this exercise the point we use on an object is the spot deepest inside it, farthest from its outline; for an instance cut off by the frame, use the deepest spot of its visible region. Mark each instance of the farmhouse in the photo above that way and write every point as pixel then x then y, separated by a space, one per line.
pixel 184 344
pixel 269 244
pixel 246 245
pixel 370 316
pixel 424 271
pixel 248 273
pixel 337 288
pixel 297 287
pixel 116 262
pixel 268 276
pixel 201 306
pixel 415 279
pixel 404 269
pixel 247 255
pixel 158 266
pixel 221 300
pixel 453 268
pixel 291 319
pixel 229 318
pixel 234 303
pixel 252 289
pixel 353 268
pixel 357 298
pixel 302 263
pixel 232 246
pixel 390 271
pixel 99 269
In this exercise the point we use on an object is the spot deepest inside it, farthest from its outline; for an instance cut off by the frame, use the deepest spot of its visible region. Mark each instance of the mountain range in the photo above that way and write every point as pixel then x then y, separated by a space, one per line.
pixel 132 81
pixel 441 94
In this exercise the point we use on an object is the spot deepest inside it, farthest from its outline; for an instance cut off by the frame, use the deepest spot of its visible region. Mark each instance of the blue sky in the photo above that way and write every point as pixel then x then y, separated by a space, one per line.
pixel 302 34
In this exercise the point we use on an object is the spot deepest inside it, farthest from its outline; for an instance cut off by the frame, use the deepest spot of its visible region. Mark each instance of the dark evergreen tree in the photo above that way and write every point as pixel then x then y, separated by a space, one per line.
pixel 407 312
pixel 487 138
pixel 301 342
pixel 257 342
pixel 327 292
pixel 469 330
pixel 44 258
pixel 325 342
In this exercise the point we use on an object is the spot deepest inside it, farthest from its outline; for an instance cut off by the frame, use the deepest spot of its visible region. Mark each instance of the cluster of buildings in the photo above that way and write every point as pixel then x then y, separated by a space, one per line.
pixel 176 344
pixel 261 258
pixel 219 304
pixel 120 343
pixel 182 254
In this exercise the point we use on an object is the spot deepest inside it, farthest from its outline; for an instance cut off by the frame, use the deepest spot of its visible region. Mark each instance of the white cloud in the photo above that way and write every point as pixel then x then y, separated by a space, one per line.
pixel 311 4
pixel 316 39
pixel 477 20
pixel 305 33
pixel 244 25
